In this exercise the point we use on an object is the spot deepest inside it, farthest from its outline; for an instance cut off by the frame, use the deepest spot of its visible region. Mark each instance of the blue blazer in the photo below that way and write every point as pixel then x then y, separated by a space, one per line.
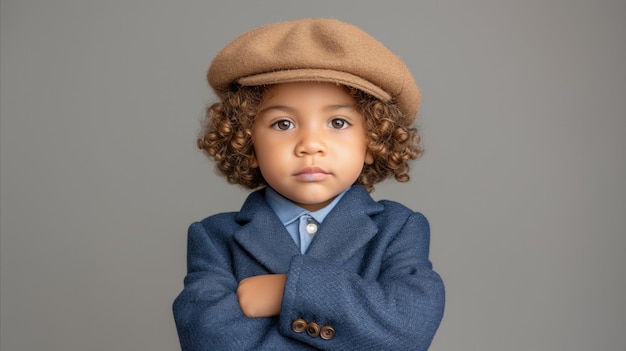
pixel 365 283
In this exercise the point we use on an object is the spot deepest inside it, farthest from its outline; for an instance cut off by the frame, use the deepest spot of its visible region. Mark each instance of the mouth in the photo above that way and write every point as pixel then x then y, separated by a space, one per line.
pixel 311 174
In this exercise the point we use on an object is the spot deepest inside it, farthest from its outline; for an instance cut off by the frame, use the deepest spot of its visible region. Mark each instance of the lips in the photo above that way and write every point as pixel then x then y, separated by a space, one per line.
pixel 311 174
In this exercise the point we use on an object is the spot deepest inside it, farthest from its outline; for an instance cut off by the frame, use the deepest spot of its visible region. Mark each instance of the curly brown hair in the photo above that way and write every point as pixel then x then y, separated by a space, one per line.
pixel 226 136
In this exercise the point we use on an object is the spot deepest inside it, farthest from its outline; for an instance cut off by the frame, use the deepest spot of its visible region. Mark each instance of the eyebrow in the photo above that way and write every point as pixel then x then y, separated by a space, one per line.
pixel 333 107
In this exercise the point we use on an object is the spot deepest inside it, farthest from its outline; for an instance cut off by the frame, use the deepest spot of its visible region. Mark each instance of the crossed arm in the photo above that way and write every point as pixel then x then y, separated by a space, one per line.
pixel 401 305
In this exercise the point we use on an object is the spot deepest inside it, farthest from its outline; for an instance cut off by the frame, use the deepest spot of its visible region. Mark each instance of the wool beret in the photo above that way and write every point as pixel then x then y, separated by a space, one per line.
pixel 317 50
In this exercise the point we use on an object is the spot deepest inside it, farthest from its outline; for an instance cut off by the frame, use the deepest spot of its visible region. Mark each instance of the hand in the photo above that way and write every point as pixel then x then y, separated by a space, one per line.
pixel 261 295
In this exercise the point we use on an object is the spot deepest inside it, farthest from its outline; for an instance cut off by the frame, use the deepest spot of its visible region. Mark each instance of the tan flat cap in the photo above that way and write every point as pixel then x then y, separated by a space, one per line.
pixel 316 49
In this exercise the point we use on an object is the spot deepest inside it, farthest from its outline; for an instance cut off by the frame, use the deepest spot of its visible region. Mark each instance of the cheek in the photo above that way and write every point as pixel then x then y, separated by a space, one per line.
pixel 356 148
pixel 352 156
pixel 268 155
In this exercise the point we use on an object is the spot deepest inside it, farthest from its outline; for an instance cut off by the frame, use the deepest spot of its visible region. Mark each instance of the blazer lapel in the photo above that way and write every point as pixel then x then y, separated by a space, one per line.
pixel 263 236
pixel 347 228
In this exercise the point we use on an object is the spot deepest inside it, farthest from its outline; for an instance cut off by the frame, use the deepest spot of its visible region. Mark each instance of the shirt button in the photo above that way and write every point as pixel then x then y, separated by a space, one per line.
pixel 298 325
pixel 313 330
pixel 311 228
pixel 327 332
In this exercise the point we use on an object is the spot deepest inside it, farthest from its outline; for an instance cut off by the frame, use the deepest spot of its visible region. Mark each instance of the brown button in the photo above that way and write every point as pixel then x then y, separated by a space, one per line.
pixel 327 332
pixel 313 329
pixel 299 325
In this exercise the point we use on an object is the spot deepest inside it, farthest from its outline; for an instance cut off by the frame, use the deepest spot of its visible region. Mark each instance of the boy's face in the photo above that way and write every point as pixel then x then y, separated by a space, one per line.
pixel 309 141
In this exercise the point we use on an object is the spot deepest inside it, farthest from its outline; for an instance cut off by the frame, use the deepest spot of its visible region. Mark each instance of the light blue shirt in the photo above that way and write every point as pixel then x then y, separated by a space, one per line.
pixel 301 224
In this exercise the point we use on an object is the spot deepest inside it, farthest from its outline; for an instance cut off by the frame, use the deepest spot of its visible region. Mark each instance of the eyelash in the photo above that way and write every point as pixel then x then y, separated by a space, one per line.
pixel 290 125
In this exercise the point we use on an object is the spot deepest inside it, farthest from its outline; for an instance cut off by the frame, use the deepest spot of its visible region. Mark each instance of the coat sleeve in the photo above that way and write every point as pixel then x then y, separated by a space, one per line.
pixel 207 312
pixel 400 309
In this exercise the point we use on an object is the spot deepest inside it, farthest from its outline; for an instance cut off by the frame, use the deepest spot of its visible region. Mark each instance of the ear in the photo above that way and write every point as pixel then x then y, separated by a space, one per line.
pixel 369 158
pixel 253 162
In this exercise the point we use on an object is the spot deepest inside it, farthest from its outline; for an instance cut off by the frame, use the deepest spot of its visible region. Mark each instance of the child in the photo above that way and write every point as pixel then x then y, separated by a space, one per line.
pixel 313 112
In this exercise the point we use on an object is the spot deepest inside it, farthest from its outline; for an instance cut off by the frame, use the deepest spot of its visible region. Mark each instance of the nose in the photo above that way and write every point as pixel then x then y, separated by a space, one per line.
pixel 310 142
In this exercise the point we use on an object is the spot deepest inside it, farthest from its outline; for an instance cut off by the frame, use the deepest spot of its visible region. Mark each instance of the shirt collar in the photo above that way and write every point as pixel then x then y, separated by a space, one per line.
pixel 288 212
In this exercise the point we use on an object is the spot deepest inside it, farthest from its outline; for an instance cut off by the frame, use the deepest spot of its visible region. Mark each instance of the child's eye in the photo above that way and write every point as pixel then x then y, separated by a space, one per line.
pixel 339 123
pixel 283 124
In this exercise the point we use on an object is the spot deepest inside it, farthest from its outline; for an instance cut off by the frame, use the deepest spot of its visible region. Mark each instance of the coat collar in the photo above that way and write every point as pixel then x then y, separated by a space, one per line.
pixel 345 230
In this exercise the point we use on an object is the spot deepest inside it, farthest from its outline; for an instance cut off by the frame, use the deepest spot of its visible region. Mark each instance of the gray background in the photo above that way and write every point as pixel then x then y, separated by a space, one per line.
pixel 524 179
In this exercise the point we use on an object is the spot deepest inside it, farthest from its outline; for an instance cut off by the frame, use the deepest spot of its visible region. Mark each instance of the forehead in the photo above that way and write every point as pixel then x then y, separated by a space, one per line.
pixel 308 91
